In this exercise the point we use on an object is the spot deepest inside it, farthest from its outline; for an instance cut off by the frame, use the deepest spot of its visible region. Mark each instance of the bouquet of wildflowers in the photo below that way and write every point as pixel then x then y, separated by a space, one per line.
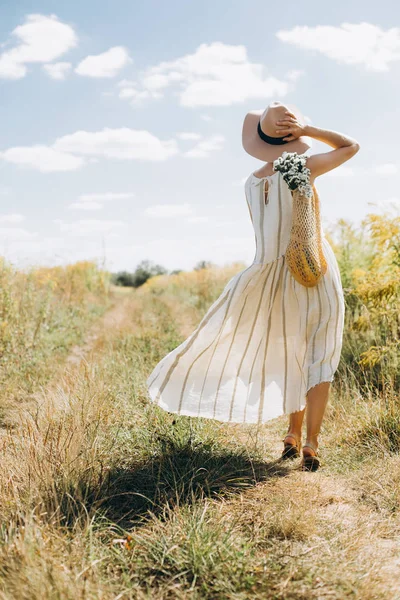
pixel 294 172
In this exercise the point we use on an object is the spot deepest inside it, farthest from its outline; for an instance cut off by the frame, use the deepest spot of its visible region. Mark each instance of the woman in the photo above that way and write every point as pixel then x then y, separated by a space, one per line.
pixel 268 345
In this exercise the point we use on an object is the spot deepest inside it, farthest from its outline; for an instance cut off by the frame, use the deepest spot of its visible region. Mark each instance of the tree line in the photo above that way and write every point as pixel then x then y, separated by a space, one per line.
pixel 146 269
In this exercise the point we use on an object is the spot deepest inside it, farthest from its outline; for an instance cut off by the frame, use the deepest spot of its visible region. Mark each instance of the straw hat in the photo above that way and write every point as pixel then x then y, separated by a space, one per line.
pixel 261 144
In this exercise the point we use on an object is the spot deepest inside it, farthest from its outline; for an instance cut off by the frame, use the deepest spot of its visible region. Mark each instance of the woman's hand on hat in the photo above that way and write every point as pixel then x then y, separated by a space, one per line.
pixel 289 128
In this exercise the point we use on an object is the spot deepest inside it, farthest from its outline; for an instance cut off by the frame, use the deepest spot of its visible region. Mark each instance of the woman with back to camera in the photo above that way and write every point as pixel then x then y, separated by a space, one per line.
pixel 271 343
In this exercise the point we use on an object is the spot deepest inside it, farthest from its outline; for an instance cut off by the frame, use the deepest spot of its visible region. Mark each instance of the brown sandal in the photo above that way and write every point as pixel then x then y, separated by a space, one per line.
pixel 310 462
pixel 291 450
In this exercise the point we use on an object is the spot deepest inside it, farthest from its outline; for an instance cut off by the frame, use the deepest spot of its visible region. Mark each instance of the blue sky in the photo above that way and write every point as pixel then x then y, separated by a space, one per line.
pixel 121 122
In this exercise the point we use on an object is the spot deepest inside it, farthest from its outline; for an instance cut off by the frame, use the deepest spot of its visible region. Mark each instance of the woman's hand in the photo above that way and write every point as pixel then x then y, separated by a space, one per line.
pixel 289 127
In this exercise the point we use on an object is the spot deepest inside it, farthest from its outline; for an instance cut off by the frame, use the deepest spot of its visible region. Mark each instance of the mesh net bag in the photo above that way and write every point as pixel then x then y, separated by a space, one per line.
pixel 304 255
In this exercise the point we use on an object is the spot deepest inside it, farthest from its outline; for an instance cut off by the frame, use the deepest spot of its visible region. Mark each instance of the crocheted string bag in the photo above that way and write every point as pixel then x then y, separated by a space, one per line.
pixel 304 255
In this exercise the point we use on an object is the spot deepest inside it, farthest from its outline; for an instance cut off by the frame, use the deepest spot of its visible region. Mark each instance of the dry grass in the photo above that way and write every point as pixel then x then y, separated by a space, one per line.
pixel 43 313
pixel 105 496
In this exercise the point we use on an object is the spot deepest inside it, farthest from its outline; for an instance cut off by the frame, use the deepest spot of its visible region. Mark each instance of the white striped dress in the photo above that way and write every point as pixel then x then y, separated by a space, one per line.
pixel 267 339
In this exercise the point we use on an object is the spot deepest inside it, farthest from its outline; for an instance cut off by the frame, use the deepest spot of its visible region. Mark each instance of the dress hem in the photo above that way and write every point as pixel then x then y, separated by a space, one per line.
pixel 210 417
pixel 319 382
pixel 236 421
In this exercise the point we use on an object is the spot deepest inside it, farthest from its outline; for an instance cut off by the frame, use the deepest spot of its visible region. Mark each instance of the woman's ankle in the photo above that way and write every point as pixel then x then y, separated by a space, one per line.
pixel 295 434
pixel 312 440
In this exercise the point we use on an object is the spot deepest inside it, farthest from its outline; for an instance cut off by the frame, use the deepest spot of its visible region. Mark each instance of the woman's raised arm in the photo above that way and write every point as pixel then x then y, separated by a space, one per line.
pixel 344 146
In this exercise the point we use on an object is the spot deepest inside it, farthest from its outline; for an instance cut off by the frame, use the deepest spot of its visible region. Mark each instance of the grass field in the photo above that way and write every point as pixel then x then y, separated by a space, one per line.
pixel 105 496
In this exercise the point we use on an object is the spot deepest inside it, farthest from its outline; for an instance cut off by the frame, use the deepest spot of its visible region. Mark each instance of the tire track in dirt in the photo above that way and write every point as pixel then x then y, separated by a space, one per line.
pixel 66 373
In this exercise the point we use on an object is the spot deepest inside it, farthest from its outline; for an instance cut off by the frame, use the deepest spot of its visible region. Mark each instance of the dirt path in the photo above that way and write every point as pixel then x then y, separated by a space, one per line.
pixel 66 372
pixel 113 318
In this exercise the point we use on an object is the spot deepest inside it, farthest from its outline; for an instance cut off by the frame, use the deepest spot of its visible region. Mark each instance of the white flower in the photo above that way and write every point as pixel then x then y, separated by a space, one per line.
pixel 289 165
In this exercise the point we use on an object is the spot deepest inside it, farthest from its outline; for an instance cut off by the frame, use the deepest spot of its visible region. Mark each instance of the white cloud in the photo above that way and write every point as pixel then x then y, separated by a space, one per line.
pixel 95 201
pixel 387 169
pixel 188 135
pixel 42 158
pixel 294 74
pixel 57 70
pixel 341 172
pixel 107 64
pixel 226 224
pixel 204 148
pixel 11 234
pixel 61 250
pixel 129 91
pixel 168 210
pixel 197 219
pixel 390 205
pixel 345 171
pixel 40 39
pixel 70 152
pixel 353 44
pixel 215 74
pixel 155 81
pixel 89 226
pixel 11 218
pixel 240 182
pixel 105 196
pixel 121 143
pixel 85 205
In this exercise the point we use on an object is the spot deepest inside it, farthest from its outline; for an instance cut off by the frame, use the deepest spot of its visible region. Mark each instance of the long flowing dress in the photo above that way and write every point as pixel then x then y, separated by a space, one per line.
pixel 267 339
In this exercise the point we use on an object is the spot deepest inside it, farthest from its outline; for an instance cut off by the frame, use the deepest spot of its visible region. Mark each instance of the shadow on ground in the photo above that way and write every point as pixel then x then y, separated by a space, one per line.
pixel 179 475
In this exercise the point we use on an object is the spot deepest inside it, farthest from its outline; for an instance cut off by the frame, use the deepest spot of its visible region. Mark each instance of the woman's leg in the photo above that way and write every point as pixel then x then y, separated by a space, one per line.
pixel 317 399
pixel 292 440
pixel 295 425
